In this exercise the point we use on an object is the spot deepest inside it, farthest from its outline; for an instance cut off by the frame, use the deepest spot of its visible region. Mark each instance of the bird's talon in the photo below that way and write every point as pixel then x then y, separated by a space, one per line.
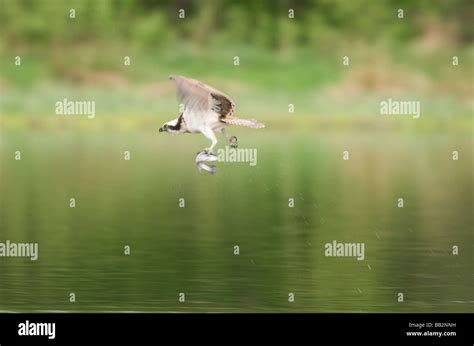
pixel 233 142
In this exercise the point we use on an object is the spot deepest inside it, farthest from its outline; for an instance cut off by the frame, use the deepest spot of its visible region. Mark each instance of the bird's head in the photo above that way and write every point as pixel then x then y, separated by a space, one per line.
pixel 173 126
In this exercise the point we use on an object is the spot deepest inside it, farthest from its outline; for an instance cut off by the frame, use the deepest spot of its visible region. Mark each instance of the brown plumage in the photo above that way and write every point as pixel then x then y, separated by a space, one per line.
pixel 200 97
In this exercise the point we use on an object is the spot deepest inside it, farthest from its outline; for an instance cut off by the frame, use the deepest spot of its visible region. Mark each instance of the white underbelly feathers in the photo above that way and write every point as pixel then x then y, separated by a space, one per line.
pixel 201 121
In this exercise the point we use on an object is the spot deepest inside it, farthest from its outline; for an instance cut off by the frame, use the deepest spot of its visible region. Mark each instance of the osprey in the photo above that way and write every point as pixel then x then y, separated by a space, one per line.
pixel 206 110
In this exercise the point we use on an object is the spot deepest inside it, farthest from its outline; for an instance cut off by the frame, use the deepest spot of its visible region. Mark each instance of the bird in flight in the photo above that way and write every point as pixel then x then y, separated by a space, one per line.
pixel 206 111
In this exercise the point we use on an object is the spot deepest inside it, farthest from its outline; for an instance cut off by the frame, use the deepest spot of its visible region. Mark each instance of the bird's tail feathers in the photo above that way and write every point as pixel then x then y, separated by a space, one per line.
pixel 252 123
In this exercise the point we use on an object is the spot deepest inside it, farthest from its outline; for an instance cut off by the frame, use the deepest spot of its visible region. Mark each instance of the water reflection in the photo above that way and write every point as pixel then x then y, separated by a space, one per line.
pixel 191 249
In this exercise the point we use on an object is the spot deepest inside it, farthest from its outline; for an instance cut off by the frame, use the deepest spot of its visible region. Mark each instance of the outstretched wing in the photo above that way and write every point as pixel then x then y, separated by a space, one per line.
pixel 198 97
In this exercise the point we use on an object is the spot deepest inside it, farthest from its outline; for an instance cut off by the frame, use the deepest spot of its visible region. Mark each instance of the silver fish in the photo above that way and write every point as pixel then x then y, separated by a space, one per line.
pixel 203 157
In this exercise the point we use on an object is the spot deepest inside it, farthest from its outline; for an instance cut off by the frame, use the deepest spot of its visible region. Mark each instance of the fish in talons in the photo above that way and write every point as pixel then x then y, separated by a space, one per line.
pixel 206 156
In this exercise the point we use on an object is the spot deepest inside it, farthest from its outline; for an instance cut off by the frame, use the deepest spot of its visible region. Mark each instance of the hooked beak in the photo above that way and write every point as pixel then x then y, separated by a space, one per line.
pixel 161 129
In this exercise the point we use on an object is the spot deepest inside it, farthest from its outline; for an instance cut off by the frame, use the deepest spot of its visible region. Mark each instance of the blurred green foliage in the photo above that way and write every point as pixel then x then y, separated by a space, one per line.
pixel 283 60
pixel 318 23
